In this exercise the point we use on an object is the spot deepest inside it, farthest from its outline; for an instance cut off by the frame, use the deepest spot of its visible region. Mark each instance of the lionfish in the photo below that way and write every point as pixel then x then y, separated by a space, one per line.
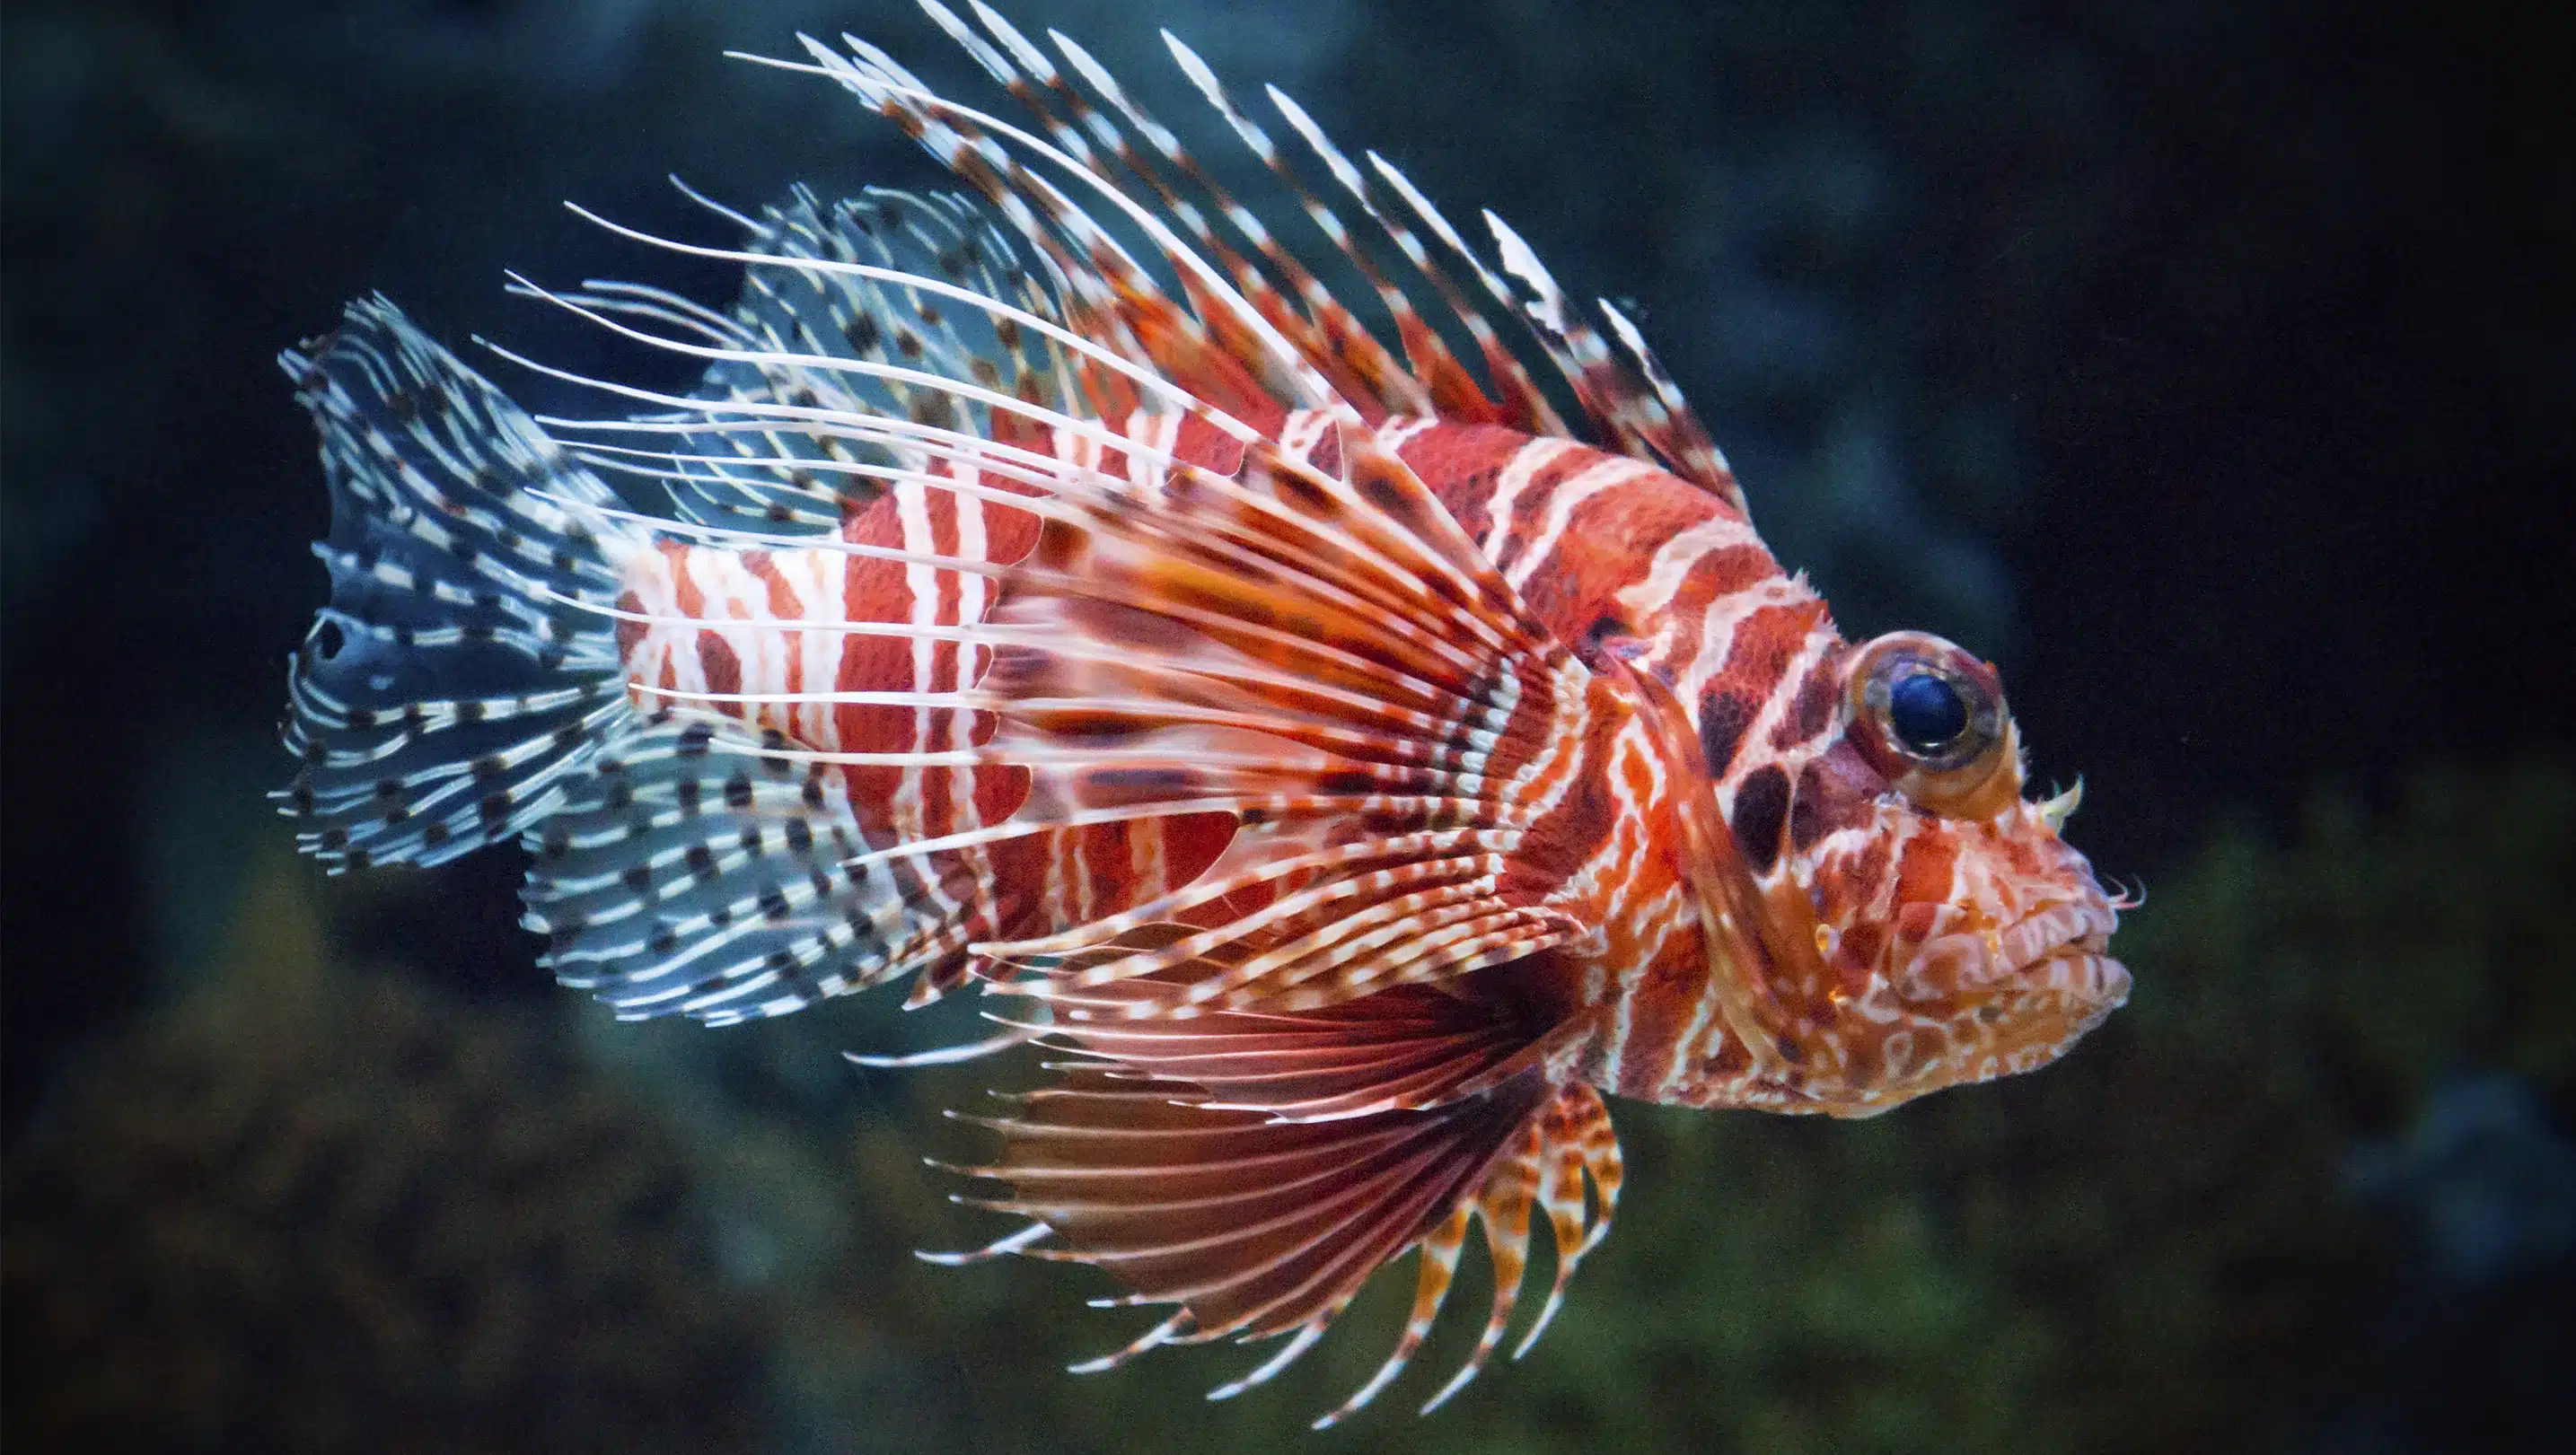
pixel 1359 766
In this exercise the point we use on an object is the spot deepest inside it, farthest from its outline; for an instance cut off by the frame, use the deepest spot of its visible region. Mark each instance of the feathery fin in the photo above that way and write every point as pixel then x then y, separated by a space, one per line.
pixel 445 695
pixel 795 318
pixel 695 869
pixel 1235 312
pixel 1330 655
pixel 1257 1227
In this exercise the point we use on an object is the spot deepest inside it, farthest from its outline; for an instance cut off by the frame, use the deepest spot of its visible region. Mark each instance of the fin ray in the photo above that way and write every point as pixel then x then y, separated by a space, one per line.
pixel 1215 1210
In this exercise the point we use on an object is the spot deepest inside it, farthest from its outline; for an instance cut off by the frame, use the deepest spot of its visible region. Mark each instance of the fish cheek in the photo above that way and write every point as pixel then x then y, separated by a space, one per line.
pixel 1925 876
pixel 1859 961
pixel 1837 790
pixel 1760 806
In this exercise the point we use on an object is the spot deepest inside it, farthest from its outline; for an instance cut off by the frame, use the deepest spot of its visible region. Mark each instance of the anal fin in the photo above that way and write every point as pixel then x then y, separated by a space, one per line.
pixel 695 870
pixel 1543 1168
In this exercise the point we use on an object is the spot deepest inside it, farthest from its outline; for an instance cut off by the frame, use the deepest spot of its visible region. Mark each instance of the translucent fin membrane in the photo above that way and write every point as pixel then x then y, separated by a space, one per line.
pixel 1260 1228
pixel 811 307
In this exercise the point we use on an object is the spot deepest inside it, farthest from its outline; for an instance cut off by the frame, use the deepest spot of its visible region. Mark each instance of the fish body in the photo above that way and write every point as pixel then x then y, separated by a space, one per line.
pixel 1363 769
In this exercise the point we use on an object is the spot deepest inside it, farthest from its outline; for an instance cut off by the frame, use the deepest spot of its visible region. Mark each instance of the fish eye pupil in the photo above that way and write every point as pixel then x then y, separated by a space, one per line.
pixel 1926 711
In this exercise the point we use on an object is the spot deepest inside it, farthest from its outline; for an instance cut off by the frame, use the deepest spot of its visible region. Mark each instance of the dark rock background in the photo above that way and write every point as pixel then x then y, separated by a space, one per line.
pixel 2211 367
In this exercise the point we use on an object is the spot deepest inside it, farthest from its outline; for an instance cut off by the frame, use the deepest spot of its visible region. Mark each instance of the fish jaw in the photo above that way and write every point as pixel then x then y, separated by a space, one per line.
pixel 1996 966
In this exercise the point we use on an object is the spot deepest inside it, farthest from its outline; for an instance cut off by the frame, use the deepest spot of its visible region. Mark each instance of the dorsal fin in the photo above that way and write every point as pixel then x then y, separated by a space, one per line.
pixel 1218 375
pixel 1453 389
pixel 1642 413
pixel 1325 337
pixel 1109 294
pixel 1235 313
pixel 852 280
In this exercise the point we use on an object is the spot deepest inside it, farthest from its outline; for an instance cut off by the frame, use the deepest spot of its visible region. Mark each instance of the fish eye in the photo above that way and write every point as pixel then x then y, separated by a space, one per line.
pixel 1931 718
pixel 1927 712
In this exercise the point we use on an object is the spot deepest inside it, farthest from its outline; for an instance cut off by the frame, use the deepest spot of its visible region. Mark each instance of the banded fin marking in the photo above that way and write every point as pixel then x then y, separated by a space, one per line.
pixel 694 870
pixel 1453 390
pixel 1640 415
pixel 1631 405
pixel 1109 293
pixel 1281 629
pixel 1431 380
pixel 1406 1046
pixel 1325 335
pixel 1255 1226
pixel 1547 1166
pixel 453 682
pixel 1032 328
pixel 1312 653
pixel 1259 1225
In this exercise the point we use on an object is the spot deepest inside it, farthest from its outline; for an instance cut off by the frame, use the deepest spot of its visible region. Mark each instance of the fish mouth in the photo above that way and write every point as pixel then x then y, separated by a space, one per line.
pixel 2068 926
pixel 2061 949
pixel 2065 948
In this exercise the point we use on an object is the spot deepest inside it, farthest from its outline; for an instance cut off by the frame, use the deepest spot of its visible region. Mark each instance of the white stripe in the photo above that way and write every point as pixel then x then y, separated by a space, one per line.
pixel 1301 432
pixel 973 593
pixel 1526 462
pixel 1157 433
pixel 912 512
pixel 1563 501
pixel 734 604
pixel 816 579
pixel 1666 913
pixel 1757 734
pixel 1400 431
pixel 1718 626
pixel 1675 558
pixel 648 577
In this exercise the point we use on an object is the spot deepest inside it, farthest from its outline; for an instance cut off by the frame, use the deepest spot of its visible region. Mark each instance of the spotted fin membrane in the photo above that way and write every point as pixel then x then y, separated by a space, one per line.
pixel 794 324
pixel 452 687
pixel 690 870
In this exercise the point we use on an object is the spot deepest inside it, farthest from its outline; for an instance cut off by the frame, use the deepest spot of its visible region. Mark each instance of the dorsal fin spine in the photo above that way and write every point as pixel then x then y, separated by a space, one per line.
pixel 900 97
pixel 1266 298
pixel 1209 318
pixel 1383 381
pixel 1453 391
pixel 1500 357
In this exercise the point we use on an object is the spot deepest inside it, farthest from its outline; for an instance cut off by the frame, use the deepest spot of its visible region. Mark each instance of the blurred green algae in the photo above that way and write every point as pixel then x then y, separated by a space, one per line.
pixel 310 1208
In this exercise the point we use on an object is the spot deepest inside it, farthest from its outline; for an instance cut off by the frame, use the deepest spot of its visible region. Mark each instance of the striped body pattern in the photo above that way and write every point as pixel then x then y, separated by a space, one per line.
pixel 1360 766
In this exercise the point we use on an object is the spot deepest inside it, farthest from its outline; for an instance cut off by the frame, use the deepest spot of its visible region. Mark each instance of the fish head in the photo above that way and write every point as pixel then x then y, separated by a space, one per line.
pixel 1959 937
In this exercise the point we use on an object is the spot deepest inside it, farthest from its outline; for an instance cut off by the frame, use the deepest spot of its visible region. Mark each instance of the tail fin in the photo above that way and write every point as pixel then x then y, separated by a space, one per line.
pixel 449 690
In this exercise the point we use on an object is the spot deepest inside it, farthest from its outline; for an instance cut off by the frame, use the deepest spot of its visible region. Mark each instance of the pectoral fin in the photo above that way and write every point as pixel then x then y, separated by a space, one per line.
pixel 1254 1169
